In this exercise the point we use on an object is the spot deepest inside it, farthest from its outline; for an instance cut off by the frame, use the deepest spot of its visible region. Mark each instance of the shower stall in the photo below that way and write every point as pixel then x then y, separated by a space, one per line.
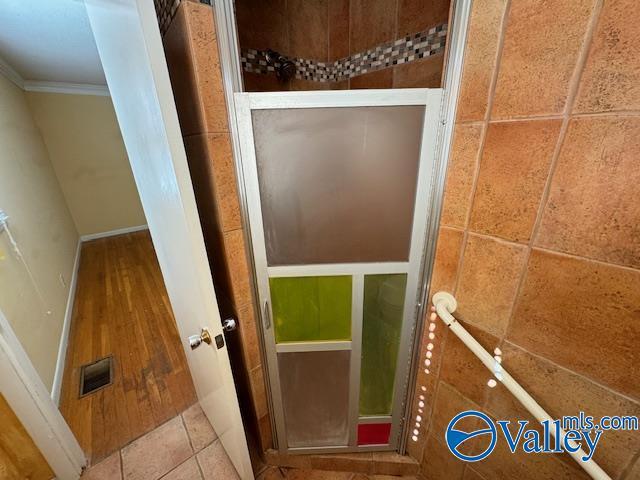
pixel 338 186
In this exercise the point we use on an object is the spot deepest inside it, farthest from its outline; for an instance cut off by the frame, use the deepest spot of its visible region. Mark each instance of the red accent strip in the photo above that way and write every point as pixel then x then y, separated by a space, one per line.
pixel 374 433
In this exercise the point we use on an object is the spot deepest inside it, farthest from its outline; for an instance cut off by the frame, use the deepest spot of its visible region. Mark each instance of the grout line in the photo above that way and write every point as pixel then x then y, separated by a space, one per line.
pixel 587 259
pixel 465 230
pixel 184 425
pixel 527 118
pixel 497 239
pixel 452 227
pixel 121 464
pixel 483 135
pixel 626 472
pixel 613 113
pixel 544 249
pixel 571 96
pixel 498 59
pixel 574 373
pixel 199 466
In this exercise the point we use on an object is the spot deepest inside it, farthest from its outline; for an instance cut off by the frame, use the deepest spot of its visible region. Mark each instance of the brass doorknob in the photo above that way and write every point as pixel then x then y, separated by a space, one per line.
pixel 196 340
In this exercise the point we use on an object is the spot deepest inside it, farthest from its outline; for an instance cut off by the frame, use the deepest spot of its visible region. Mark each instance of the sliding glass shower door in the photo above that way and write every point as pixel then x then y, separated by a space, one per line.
pixel 338 185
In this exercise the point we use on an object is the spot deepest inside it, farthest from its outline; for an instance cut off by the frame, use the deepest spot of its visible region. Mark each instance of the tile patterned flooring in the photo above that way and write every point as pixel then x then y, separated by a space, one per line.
pixel 282 473
pixel 184 448
pixel 187 448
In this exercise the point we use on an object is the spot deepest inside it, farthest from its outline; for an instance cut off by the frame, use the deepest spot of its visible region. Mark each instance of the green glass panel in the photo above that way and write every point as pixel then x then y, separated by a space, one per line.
pixel 381 325
pixel 307 309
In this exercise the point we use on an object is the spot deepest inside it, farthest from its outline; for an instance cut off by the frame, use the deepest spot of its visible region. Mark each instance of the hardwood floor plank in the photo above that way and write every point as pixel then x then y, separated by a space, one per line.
pixel 122 309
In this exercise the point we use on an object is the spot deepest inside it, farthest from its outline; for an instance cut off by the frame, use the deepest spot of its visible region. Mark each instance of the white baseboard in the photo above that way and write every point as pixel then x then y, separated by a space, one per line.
pixel 111 233
pixel 66 326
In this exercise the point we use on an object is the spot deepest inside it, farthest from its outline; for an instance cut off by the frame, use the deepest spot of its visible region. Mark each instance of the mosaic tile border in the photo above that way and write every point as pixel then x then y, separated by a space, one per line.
pixel 166 10
pixel 396 52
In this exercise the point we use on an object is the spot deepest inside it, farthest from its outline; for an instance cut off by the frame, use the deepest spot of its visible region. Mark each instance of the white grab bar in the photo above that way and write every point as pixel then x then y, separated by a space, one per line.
pixel 445 304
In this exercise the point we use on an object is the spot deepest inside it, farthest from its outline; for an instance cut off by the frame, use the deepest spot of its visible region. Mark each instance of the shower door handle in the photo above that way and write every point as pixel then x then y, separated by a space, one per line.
pixel 267 316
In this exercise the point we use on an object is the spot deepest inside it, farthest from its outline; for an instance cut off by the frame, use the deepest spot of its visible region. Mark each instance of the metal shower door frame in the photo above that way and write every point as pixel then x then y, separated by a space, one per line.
pixel 431 99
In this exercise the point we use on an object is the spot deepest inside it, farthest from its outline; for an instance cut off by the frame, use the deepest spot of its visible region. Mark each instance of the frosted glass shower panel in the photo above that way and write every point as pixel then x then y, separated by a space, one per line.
pixel 338 185
pixel 315 395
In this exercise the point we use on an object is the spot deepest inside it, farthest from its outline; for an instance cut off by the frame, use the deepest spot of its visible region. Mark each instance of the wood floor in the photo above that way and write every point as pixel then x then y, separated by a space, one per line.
pixel 122 309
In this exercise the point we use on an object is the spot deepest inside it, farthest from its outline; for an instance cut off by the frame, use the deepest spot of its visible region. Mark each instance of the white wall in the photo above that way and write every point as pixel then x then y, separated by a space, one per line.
pixel 83 138
pixel 42 225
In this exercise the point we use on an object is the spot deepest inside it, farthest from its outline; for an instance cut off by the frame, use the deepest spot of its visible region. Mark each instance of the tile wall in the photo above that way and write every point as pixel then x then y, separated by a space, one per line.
pixel 411 48
pixel 540 233
pixel 328 31
pixel 190 47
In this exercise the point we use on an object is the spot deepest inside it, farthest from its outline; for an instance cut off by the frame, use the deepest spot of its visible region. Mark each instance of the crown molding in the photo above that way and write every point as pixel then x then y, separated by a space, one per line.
pixel 51 87
pixel 8 71
pixel 68 88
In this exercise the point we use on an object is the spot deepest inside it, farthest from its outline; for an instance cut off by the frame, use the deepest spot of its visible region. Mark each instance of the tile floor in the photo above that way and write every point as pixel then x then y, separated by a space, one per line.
pixel 184 448
pixel 280 473
pixel 187 448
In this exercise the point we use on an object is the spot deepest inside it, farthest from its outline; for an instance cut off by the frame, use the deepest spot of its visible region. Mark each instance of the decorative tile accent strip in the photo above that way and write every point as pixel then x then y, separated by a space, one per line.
pixel 165 10
pixel 404 50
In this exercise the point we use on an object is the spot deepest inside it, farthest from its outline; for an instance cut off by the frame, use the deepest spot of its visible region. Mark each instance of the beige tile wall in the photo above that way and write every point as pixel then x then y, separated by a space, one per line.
pixel 540 237
pixel 327 30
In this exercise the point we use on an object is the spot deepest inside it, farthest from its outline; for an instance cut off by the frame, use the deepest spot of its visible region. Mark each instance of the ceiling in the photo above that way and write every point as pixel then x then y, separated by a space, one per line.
pixel 49 41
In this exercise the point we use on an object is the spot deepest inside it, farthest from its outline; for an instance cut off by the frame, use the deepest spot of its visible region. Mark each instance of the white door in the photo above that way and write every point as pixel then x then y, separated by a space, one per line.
pixel 128 40
pixel 339 186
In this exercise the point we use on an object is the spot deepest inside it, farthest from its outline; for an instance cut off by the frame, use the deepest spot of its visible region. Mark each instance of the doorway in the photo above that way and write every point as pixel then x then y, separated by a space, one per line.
pixel 338 188
pixel 122 313
pixel 165 266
